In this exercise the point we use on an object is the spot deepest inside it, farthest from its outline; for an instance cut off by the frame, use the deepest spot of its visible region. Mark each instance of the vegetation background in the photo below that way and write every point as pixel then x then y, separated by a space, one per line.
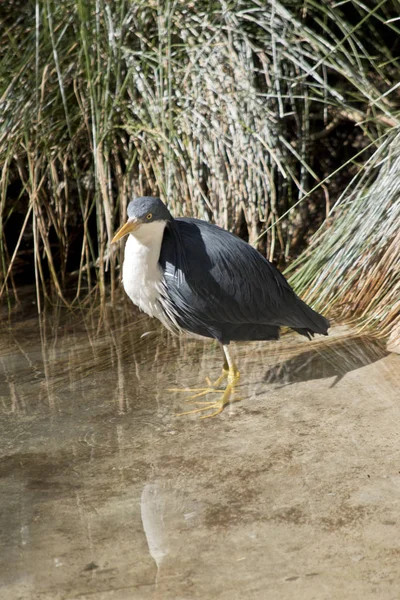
pixel 270 118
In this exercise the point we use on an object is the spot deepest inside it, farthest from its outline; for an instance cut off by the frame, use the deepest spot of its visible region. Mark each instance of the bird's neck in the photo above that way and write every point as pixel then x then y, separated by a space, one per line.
pixel 142 250
pixel 150 235
pixel 141 271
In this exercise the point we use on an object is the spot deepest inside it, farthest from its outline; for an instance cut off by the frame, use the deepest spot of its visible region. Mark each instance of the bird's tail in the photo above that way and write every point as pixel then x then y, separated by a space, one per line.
pixel 308 321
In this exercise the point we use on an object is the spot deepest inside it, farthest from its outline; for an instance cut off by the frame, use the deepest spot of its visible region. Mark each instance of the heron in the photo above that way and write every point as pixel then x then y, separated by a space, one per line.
pixel 202 280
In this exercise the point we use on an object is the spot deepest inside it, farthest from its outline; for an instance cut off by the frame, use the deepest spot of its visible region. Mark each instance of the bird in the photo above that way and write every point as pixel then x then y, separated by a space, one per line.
pixel 202 280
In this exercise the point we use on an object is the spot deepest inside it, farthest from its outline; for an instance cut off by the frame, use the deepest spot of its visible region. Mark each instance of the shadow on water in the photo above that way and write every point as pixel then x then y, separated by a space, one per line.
pixel 333 359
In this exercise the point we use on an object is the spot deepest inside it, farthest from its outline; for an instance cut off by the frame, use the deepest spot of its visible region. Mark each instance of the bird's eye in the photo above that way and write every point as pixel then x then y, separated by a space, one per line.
pixel 149 216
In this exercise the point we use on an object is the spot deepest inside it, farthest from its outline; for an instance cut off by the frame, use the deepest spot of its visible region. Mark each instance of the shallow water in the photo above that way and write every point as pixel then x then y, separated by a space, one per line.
pixel 105 493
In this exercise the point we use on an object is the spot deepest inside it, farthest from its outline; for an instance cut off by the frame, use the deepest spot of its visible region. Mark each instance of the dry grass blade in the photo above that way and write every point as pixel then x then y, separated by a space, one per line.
pixel 353 264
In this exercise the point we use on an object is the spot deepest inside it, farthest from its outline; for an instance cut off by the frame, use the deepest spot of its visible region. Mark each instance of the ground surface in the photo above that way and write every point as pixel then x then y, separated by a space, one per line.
pixel 292 493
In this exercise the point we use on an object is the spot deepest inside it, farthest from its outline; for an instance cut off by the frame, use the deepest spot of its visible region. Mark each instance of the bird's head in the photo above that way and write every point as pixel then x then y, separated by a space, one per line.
pixel 142 211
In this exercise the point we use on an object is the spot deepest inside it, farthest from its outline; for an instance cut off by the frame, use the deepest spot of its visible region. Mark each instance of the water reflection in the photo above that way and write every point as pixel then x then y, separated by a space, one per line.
pixel 167 509
pixel 104 492
pixel 153 519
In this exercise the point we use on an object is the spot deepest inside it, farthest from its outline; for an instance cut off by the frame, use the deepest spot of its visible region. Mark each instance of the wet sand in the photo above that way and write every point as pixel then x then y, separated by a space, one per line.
pixel 293 492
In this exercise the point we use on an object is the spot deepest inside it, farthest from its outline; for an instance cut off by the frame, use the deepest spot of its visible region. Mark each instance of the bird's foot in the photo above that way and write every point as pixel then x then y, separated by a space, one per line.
pixel 232 375
pixel 218 405
pixel 211 388
pixel 199 391
pixel 224 375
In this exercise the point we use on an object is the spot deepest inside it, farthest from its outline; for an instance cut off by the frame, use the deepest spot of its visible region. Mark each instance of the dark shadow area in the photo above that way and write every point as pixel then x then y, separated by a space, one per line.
pixel 336 359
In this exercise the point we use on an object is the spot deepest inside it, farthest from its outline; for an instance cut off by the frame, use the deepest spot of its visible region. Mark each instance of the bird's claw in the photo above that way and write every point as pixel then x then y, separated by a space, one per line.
pixel 232 377
pixel 219 405
pixel 200 392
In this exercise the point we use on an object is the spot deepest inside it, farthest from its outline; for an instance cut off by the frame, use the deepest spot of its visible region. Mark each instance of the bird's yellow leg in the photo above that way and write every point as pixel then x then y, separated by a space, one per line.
pixel 219 405
pixel 229 372
pixel 211 387
pixel 221 378
pixel 199 391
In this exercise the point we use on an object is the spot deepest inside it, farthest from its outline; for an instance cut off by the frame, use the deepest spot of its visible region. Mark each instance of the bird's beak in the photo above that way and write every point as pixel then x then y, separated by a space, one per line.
pixel 126 228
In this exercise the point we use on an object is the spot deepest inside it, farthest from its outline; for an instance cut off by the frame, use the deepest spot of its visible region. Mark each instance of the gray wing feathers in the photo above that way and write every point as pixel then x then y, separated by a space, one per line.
pixel 213 276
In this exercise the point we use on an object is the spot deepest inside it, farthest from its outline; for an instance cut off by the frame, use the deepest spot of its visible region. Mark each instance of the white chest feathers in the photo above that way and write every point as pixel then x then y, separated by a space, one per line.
pixel 141 273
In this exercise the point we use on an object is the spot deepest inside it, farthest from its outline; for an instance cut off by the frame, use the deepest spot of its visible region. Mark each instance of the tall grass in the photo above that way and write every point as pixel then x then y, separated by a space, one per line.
pixel 230 111
pixel 352 266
